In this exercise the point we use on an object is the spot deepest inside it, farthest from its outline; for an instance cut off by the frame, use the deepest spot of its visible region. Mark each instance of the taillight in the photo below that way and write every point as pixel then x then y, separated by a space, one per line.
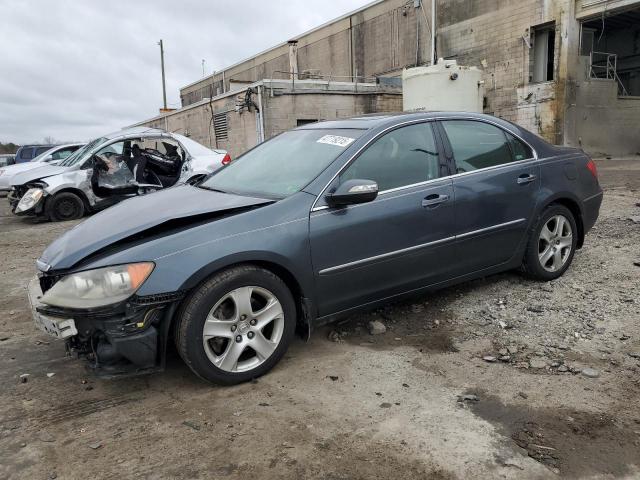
pixel 591 165
pixel 226 160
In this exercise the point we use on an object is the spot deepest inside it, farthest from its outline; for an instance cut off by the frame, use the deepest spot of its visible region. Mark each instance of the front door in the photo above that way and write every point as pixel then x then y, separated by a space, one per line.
pixel 399 242
pixel 496 189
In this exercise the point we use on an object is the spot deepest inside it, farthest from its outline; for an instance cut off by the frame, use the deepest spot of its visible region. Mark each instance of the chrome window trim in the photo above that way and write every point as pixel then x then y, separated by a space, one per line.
pixel 382 256
pixel 425 120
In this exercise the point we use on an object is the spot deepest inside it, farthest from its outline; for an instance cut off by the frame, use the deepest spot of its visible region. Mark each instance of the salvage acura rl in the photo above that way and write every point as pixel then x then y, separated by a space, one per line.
pixel 308 226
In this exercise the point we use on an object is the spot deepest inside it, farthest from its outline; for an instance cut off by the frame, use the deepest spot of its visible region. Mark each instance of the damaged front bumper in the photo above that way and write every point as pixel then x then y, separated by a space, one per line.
pixel 125 339
pixel 27 200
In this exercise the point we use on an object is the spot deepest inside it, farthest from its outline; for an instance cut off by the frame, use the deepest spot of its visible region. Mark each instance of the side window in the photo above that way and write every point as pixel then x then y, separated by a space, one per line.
pixel 62 153
pixel 113 148
pixel 41 150
pixel 477 144
pixel 27 153
pixel 402 157
pixel 520 150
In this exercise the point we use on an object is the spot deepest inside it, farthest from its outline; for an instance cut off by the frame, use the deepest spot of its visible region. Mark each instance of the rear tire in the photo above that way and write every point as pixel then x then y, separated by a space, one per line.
pixel 236 326
pixel 552 244
pixel 64 206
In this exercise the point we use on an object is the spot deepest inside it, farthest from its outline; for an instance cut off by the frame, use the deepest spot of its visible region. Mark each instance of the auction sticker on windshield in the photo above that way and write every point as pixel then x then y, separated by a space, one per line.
pixel 336 140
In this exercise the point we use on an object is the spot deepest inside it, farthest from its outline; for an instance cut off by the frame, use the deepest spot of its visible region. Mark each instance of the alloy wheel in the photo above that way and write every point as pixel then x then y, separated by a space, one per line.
pixel 555 243
pixel 243 329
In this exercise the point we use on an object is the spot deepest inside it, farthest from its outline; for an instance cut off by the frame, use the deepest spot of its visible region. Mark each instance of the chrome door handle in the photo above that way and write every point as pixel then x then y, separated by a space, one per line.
pixel 434 200
pixel 526 178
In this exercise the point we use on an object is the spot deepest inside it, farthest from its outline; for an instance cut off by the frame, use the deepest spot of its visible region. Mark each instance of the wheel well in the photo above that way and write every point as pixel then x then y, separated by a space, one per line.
pixel 77 192
pixel 577 214
pixel 303 320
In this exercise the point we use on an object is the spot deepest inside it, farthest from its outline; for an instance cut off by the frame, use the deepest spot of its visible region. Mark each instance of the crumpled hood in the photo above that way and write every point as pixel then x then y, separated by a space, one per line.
pixel 136 215
pixel 10 171
pixel 37 173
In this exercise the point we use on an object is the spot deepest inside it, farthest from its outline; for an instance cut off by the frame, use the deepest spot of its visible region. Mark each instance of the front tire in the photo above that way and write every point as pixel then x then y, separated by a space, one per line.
pixel 64 206
pixel 236 326
pixel 552 244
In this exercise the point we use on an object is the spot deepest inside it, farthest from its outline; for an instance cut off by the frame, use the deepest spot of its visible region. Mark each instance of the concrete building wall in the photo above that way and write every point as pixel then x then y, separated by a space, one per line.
pixel 380 39
pixel 282 111
pixel 498 36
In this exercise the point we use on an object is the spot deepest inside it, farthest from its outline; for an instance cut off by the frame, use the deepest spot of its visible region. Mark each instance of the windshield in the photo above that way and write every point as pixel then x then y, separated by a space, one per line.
pixel 80 153
pixel 283 165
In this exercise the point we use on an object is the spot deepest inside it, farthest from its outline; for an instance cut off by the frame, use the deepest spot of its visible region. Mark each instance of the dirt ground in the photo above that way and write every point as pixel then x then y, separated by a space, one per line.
pixel 490 379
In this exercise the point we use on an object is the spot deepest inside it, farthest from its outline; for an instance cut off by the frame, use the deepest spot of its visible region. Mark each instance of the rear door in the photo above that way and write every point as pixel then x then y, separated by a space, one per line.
pixel 496 187
pixel 400 241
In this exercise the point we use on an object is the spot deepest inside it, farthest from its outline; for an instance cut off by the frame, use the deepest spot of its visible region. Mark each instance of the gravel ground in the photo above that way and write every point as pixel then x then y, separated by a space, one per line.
pixel 498 378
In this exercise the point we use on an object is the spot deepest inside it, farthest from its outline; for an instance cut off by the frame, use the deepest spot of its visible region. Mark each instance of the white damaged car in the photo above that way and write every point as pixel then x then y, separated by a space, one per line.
pixel 120 165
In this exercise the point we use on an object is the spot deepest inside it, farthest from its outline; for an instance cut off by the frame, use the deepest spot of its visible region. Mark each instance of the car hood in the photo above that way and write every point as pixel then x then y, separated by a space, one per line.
pixel 37 173
pixel 166 209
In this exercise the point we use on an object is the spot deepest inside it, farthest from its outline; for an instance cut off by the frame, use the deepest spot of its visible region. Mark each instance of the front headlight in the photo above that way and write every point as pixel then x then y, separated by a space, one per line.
pixel 99 287
pixel 29 199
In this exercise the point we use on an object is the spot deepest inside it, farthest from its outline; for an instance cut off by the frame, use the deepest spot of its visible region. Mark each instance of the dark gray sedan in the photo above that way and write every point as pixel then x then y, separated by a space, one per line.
pixel 309 226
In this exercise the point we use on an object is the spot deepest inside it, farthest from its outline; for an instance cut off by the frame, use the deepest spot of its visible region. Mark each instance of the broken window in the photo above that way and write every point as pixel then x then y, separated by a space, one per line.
pixel 543 52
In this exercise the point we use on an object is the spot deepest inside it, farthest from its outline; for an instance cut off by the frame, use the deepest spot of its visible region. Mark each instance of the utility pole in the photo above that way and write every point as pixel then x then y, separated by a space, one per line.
pixel 164 87
pixel 203 67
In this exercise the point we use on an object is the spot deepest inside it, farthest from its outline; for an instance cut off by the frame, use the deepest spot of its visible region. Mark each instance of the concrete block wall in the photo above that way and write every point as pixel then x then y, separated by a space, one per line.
pixel 283 112
pixel 489 34
pixel 377 40
pixel 605 123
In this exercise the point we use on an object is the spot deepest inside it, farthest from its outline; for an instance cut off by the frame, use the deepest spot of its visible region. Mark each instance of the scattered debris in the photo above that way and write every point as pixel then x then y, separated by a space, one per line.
pixel 590 372
pixel 192 425
pixel 334 336
pixel 537 363
pixel 95 445
pixel 489 358
pixel 51 374
pixel 385 405
pixel 468 398
pixel 24 378
pixel 376 327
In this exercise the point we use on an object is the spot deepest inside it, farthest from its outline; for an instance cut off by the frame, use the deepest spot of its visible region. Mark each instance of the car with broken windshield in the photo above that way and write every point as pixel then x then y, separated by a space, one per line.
pixel 310 226
pixel 108 169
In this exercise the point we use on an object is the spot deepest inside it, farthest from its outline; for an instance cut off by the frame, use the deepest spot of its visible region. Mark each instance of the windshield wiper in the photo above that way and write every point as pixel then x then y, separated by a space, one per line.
pixel 212 189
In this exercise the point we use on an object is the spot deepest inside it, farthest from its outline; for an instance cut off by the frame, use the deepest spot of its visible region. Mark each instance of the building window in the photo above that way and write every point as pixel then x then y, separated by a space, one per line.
pixel 220 126
pixel 543 50
pixel 305 121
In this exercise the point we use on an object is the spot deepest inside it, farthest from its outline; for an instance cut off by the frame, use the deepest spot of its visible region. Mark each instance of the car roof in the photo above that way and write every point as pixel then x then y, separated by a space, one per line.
pixel 39 145
pixel 134 131
pixel 369 121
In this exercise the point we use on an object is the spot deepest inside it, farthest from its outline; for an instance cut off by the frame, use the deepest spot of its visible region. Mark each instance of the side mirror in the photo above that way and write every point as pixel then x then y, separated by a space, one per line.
pixel 352 192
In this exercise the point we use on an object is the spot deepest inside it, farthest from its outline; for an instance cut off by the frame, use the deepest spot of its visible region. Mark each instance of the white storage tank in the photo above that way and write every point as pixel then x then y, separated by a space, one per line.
pixel 443 86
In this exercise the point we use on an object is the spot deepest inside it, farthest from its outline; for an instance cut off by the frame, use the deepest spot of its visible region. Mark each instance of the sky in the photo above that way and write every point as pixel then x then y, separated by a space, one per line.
pixel 73 70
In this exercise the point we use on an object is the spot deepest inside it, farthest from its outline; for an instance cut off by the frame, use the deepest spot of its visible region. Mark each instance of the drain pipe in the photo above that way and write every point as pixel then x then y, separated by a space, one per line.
pixel 260 115
pixel 433 32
